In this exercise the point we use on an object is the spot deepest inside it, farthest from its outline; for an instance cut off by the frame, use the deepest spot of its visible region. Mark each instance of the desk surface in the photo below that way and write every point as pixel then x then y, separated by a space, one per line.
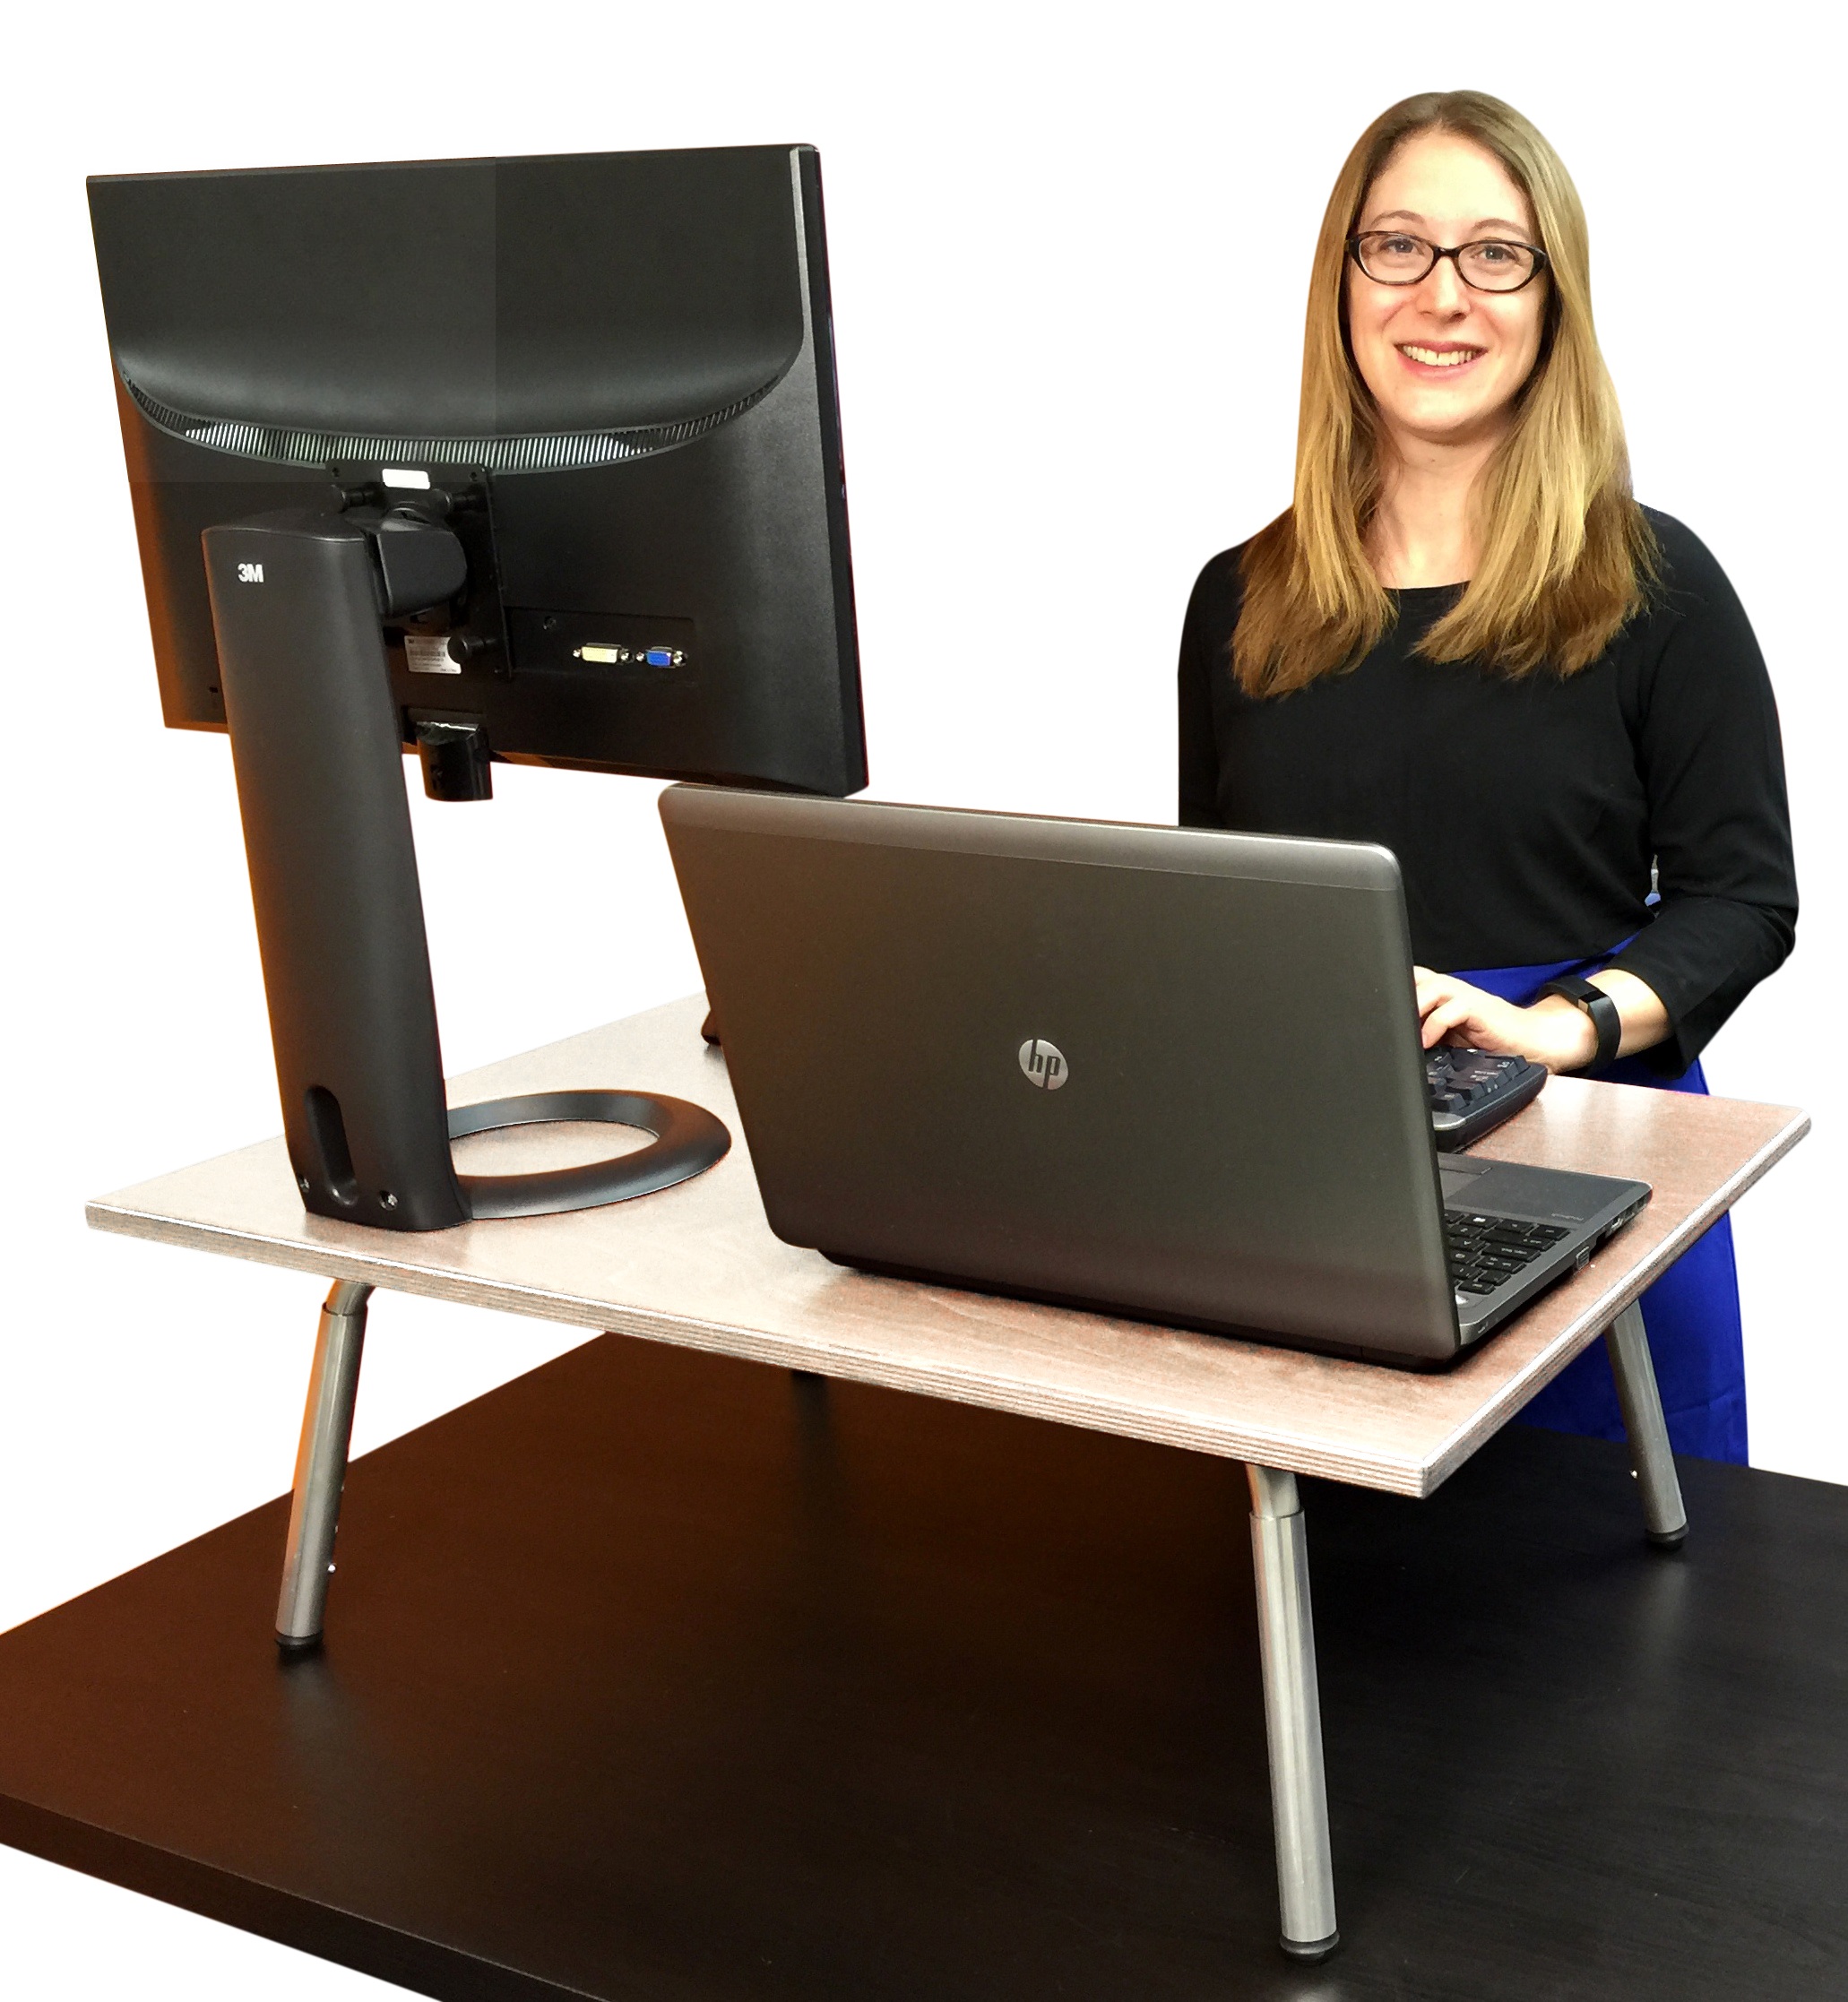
pixel 656 1677
pixel 697 1265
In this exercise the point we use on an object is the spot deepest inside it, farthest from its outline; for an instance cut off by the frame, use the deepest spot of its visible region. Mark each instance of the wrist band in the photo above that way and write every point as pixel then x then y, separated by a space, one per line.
pixel 1599 1006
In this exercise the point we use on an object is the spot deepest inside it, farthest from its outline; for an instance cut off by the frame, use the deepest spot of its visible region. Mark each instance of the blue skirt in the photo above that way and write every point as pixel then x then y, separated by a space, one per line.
pixel 1691 1312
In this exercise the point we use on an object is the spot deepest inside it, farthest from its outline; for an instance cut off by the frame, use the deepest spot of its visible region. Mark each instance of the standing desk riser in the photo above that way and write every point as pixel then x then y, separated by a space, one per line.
pixel 697 1265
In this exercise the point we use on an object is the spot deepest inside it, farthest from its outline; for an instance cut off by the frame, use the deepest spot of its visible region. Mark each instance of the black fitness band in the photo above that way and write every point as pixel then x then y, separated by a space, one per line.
pixel 1599 1006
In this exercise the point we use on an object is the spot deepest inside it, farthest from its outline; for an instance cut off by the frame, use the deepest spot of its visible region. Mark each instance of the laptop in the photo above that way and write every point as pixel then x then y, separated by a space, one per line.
pixel 1165 1073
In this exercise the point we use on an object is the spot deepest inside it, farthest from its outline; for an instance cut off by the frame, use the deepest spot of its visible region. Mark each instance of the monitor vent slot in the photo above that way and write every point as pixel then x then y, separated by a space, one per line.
pixel 542 451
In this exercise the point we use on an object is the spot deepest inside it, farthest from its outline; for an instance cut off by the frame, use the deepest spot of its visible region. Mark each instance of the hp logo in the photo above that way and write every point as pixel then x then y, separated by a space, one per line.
pixel 1044 1063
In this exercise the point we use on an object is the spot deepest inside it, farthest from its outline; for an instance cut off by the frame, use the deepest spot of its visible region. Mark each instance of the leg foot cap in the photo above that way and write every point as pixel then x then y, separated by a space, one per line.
pixel 1310 1949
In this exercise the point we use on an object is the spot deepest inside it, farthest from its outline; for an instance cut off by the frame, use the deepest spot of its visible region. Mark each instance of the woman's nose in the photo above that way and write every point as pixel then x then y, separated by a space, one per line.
pixel 1443 290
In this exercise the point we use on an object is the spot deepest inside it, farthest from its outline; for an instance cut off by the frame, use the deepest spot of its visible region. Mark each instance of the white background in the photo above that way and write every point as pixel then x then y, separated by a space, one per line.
pixel 1069 251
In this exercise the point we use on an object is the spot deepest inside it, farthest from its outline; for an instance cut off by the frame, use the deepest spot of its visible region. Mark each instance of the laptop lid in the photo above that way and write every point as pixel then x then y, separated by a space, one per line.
pixel 1167 1072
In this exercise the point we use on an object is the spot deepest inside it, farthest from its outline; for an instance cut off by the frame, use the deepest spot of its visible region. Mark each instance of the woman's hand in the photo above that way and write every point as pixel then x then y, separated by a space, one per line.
pixel 1552 1031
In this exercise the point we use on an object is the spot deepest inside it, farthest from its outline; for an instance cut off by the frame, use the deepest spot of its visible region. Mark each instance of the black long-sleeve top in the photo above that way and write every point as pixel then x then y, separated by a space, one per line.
pixel 1526 813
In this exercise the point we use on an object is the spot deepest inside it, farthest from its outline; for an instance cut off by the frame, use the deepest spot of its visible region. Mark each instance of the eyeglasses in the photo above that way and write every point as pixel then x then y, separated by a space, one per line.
pixel 1393 257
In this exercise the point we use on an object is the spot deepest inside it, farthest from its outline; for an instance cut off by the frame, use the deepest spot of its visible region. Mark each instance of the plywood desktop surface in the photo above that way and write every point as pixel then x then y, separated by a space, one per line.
pixel 697 1265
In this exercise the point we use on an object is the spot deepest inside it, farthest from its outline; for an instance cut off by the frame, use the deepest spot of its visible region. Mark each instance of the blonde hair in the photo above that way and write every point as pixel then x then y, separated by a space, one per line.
pixel 1565 553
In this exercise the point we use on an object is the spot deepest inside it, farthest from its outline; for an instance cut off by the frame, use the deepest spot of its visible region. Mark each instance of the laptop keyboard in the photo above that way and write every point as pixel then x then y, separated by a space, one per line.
pixel 1487 1251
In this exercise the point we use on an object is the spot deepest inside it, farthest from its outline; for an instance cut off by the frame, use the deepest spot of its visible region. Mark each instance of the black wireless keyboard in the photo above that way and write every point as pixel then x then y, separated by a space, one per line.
pixel 1472 1093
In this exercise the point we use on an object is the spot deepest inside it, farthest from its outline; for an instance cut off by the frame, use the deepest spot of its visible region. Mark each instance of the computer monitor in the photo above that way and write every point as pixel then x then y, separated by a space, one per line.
pixel 533 460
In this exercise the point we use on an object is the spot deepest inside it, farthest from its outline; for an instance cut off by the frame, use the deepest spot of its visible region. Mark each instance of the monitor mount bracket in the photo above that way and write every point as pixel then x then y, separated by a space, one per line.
pixel 298 603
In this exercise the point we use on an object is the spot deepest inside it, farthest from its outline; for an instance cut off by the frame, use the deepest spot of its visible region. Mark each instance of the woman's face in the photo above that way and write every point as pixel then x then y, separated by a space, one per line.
pixel 1443 361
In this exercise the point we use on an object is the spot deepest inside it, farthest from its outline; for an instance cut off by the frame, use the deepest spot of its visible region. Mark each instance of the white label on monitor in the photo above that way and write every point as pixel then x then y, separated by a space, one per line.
pixel 426 655
pixel 405 476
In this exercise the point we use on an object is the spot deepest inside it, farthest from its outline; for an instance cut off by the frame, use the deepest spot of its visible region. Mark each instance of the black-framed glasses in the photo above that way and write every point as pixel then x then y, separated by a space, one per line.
pixel 1493 264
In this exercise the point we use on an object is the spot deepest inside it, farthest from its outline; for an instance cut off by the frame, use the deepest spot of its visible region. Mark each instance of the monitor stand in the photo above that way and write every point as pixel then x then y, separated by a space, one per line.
pixel 297 602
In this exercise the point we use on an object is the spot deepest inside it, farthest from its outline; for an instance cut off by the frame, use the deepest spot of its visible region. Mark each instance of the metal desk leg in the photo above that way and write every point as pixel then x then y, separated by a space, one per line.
pixel 321 1467
pixel 1292 1716
pixel 1664 1515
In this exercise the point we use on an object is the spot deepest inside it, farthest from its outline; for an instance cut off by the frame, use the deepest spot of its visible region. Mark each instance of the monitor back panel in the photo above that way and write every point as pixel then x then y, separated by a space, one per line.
pixel 1229 1130
pixel 619 366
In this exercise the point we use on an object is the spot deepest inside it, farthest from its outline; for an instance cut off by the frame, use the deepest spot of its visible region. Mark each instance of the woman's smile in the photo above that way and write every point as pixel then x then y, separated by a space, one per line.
pixel 1438 358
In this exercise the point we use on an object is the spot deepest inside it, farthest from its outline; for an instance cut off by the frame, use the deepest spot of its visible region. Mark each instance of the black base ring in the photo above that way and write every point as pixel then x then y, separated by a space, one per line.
pixel 688 1140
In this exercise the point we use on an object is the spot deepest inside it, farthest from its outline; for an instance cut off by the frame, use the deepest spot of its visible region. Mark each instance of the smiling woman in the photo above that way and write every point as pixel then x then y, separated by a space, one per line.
pixel 1454 427
pixel 1467 641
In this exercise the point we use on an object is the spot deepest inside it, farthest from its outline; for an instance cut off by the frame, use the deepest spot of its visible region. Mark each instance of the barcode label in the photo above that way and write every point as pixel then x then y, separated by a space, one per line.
pixel 426 655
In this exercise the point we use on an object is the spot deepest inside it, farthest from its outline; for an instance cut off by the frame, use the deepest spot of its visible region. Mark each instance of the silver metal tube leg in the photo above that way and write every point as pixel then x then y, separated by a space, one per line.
pixel 1292 1716
pixel 321 1466
pixel 1664 1515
